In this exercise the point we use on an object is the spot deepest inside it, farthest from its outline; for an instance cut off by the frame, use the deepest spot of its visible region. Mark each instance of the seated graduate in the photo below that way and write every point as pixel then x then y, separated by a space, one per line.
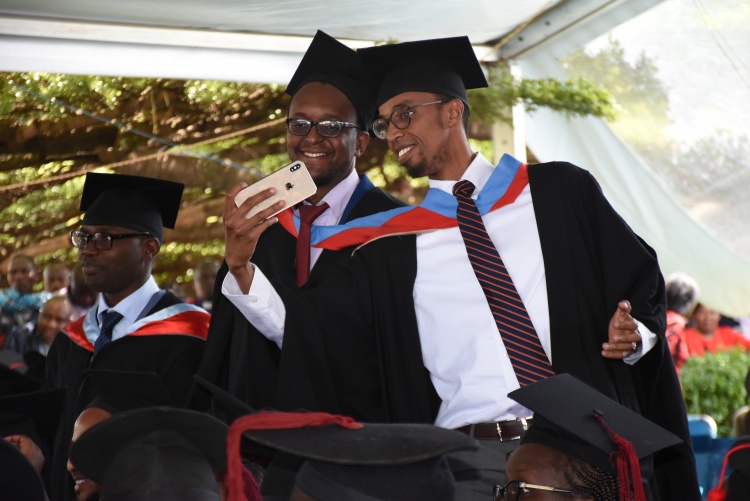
pixel 117 391
pixel 582 444
pixel 324 457
pixel 156 453
pixel 736 486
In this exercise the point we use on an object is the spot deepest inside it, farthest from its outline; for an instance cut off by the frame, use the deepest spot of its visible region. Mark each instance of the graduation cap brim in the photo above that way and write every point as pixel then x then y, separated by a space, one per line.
pixel 229 406
pixel 119 391
pixel 446 66
pixel 18 478
pixel 43 407
pixel 329 61
pixel 564 418
pixel 136 202
pixel 95 450
pixel 372 445
pixel 13 377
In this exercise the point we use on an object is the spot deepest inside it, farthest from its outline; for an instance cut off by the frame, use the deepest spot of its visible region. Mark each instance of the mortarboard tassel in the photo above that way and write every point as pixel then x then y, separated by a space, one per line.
pixel 718 493
pixel 626 457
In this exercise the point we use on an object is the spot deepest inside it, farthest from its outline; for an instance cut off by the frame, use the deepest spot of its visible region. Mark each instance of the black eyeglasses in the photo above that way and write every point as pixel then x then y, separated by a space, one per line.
pixel 102 241
pixel 326 128
pixel 513 490
pixel 400 118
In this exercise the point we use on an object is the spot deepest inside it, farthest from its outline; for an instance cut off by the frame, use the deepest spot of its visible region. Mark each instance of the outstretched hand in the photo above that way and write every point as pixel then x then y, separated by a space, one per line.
pixel 624 339
pixel 241 233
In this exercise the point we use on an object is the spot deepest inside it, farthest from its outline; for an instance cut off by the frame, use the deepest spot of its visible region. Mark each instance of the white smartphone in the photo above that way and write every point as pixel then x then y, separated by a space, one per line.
pixel 293 184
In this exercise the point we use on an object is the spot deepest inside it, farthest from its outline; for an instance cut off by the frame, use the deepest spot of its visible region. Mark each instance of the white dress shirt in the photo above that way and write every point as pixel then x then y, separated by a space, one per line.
pixel 130 308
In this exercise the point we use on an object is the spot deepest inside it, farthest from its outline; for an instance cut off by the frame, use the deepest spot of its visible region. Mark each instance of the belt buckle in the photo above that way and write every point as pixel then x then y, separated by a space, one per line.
pixel 500 437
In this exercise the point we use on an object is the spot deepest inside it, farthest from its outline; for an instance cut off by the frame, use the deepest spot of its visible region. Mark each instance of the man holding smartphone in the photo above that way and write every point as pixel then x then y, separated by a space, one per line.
pixel 333 102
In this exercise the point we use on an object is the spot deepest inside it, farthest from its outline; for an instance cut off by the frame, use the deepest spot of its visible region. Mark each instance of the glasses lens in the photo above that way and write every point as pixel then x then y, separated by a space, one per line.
pixel 401 118
pixel 380 128
pixel 298 127
pixel 329 128
pixel 512 491
pixel 78 239
pixel 102 241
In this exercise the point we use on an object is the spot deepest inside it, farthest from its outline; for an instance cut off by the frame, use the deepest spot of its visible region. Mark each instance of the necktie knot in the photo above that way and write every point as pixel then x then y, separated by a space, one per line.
pixel 309 213
pixel 109 320
pixel 463 188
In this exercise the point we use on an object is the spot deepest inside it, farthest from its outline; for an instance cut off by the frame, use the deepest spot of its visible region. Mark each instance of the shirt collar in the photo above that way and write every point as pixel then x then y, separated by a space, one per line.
pixel 132 306
pixel 339 196
pixel 479 171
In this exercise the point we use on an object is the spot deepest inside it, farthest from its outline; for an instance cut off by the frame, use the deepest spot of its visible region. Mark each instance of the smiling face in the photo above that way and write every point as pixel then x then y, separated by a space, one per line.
pixel 329 159
pixel 434 143
pixel 119 271
pixel 85 489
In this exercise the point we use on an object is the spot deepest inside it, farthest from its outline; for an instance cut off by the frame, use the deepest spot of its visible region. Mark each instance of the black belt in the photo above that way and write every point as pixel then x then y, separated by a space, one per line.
pixel 512 429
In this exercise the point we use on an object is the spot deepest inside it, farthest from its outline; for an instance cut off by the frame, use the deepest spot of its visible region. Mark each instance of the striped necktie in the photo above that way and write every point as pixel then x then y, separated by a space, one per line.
pixel 307 214
pixel 527 356
pixel 109 320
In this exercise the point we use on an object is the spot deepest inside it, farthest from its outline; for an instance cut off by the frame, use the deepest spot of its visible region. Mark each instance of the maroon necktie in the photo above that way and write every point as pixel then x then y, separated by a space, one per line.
pixel 527 356
pixel 307 214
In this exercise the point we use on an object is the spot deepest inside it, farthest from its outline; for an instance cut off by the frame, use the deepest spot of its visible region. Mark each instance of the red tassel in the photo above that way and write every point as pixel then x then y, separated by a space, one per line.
pixel 627 459
pixel 268 421
pixel 718 493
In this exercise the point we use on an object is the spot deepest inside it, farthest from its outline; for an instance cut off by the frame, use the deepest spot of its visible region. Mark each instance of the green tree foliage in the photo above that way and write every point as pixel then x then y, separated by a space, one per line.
pixel 206 134
pixel 643 103
pixel 714 384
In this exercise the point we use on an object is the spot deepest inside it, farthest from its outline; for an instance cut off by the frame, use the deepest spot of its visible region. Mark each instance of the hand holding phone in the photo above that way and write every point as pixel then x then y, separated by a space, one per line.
pixel 293 184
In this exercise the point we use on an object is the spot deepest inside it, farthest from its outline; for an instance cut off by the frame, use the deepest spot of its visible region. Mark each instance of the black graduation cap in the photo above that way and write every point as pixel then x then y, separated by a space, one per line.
pixel 135 202
pixel 13 377
pixel 18 478
pixel 329 61
pixel 119 391
pixel 576 419
pixel 349 460
pixel 157 453
pixel 446 66
pixel 39 409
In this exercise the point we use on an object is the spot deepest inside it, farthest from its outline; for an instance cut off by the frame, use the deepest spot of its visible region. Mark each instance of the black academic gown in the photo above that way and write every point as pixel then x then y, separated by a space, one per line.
pixel 355 336
pixel 172 348
pixel 241 360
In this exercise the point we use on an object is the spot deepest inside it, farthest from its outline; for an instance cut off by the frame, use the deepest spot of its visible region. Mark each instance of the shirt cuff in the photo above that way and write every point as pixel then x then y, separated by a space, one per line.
pixel 261 306
pixel 648 341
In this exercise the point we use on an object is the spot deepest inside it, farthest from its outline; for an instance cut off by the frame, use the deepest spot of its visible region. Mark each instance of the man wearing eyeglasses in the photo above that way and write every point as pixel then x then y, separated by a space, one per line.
pixel 133 325
pixel 332 104
pixel 431 346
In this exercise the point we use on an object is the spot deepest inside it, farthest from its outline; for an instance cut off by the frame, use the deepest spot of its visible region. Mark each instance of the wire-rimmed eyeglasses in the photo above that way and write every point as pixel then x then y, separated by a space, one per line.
pixel 512 490
pixel 101 240
pixel 326 128
pixel 400 118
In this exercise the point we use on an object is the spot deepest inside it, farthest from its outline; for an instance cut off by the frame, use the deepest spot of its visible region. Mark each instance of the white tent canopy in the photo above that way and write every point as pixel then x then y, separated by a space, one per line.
pixel 262 41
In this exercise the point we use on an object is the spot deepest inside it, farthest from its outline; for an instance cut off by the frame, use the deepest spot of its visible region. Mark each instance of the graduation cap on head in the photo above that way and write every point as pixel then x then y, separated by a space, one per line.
pixel 18 478
pixel 13 377
pixel 158 453
pixel 349 460
pixel 576 419
pixel 119 391
pixel 737 484
pixel 36 410
pixel 329 61
pixel 441 66
pixel 135 202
